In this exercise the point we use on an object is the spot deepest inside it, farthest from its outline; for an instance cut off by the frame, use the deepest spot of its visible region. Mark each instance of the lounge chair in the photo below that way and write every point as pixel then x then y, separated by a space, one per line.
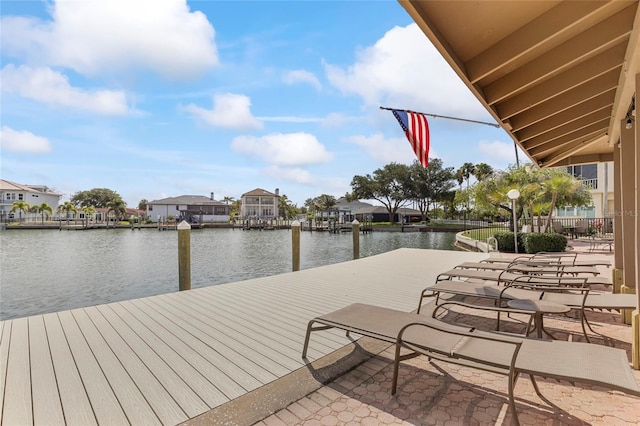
pixel 489 351
pixel 501 277
pixel 575 298
pixel 531 267
pixel 561 258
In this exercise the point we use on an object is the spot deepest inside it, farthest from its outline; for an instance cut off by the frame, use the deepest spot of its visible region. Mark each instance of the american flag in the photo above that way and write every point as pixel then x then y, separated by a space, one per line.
pixel 416 128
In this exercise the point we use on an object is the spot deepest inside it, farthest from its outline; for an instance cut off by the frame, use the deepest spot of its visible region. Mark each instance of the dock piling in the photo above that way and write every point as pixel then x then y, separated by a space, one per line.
pixel 295 245
pixel 355 232
pixel 184 256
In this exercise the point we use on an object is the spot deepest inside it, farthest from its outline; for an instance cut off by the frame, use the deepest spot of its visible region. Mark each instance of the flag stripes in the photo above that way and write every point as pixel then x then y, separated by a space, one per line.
pixel 416 128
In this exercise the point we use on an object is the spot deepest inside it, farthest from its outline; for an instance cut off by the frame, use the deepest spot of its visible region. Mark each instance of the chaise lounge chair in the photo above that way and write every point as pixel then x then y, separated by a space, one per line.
pixel 489 351
pixel 559 258
pixel 575 298
pixel 531 267
pixel 502 277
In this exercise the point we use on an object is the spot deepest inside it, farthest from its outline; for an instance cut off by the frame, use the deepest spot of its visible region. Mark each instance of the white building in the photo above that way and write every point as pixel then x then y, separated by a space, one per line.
pixel 599 179
pixel 260 204
pixel 34 195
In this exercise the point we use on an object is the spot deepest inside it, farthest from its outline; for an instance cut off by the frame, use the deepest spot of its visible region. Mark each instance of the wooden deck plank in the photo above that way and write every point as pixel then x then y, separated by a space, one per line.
pixel 134 404
pixel 173 336
pixel 47 405
pixel 231 363
pixel 250 326
pixel 253 328
pixel 187 398
pixel 5 336
pixel 206 390
pixel 73 396
pixel 105 405
pixel 237 346
pixel 17 408
pixel 154 392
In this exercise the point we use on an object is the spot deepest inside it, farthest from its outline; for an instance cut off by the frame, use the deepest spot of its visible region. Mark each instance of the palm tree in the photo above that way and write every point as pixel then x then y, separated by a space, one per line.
pixel 462 174
pixel 228 200
pixel 44 209
pixel 118 207
pixel 66 208
pixel 88 211
pixel 20 206
pixel 565 189
pixel 482 171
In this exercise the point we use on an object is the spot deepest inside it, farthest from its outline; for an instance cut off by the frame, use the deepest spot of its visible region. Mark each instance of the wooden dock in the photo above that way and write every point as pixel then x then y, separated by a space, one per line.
pixel 169 358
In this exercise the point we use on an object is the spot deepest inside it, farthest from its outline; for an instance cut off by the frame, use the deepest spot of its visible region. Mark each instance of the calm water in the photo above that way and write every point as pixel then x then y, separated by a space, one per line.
pixel 46 271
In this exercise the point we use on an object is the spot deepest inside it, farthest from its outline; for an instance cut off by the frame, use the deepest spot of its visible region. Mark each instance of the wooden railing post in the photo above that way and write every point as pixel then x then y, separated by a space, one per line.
pixel 184 256
pixel 295 245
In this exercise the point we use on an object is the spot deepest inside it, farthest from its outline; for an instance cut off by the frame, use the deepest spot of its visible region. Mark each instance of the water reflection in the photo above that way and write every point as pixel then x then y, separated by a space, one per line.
pixel 47 271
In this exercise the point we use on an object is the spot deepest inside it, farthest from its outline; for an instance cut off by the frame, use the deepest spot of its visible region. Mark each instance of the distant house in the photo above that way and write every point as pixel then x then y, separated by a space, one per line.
pixel 192 208
pixel 349 210
pixel 259 204
pixel 34 195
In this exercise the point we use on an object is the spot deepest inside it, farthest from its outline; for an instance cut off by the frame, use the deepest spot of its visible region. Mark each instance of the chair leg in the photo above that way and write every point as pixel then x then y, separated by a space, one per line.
pixel 306 340
pixel 396 366
pixel 512 402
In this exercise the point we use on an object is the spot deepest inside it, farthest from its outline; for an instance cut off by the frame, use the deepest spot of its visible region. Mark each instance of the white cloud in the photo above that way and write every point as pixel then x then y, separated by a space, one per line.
pixel 302 76
pixel 230 111
pixel 404 70
pixel 498 151
pixel 386 150
pixel 283 149
pixel 296 174
pixel 51 87
pixel 100 37
pixel 23 141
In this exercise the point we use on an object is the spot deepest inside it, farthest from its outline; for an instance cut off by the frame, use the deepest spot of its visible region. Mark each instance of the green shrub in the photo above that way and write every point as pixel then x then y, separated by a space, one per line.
pixel 535 242
pixel 505 242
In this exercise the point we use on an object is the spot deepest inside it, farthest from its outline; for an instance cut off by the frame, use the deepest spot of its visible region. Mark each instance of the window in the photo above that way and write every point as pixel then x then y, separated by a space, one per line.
pixel 267 212
pixel 150 208
pixel 267 201
pixel 220 210
pixel 8 197
pixel 21 197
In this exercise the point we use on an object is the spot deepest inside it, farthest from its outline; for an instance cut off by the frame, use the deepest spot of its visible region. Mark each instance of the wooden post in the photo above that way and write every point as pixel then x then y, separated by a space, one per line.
pixel 184 256
pixel 295 245
pixel 355 231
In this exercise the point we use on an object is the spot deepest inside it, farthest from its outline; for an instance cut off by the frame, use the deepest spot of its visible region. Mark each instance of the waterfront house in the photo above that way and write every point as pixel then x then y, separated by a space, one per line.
pixel 34 195
pixel 349 210
pixel 259 204
pixel 192 208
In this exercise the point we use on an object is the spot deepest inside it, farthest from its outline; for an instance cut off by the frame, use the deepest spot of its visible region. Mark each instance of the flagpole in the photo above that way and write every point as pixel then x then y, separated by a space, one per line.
pixel 443 116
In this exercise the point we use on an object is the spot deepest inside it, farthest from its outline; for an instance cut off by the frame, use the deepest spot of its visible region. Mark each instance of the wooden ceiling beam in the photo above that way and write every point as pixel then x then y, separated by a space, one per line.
pixel 584 159
pixel 567 150
pixel 556 86
pixel 599 38
pixel 561 19
pixel 601 103
pixel 606 83
pixel 602 117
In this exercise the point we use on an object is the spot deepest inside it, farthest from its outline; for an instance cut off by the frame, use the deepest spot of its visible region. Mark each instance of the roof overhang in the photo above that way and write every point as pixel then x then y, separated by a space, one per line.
pixel 558 76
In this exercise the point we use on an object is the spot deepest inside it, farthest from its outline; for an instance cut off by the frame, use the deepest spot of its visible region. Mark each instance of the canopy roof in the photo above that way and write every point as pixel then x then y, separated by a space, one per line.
pixel 559 76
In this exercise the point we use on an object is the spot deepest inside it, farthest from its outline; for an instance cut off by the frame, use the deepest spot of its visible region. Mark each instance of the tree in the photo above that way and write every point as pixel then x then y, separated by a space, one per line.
pixel 388 185
pixel 565 190
pixel 88 212
pixel 234 208
pixel 43 209
pixel 482 171
pixel 285 208
pixel 20 206
pixel 97 197
pixel 143 204
pixel 228 200
pixel 428 185
pixel 118 207
pixel 66 208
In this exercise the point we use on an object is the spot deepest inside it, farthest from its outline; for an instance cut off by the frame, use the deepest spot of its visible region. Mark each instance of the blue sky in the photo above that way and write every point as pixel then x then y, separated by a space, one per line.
pixel 161 98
